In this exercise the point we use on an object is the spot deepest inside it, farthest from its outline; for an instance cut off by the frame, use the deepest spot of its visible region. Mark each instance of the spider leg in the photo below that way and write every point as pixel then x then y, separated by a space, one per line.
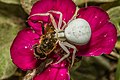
pixel 46 14
pixel 53 22
pixel 39 14
pixel 74 16
pixel 74 51
pixel 63 25
pixel 60 18
pixel 65 49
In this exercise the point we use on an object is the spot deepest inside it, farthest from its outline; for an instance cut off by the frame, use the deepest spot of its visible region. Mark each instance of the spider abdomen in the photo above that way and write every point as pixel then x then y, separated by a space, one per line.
pixel 78 32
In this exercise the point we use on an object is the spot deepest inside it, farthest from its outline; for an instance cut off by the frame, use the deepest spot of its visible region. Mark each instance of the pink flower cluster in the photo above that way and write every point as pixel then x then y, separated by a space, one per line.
pixel 102 40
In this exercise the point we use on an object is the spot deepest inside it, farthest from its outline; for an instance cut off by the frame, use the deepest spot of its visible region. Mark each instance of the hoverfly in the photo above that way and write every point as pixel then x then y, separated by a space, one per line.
pixel 47 43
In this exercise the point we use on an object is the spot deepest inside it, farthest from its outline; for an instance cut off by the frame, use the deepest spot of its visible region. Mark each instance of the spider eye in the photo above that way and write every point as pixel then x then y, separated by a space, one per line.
pixel 78 32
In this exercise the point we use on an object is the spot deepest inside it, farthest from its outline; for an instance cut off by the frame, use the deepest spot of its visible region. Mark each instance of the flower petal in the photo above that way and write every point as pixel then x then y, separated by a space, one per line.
pixel 95 16
pixel 54 72
pixel 104 34
pixel 21 49
pixel 36 26
pixel 42 6
pixel 66 7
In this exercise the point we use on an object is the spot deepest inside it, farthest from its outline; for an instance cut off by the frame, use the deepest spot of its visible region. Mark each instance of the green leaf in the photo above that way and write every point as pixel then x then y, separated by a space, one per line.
pixel 27 5
pixel 118 43
pixel 8 30
pixel 11 1
pixel 91 68
pixel 73 69
pixel 78 2
pixel 114 14
pixel 76 65
pixel 117 77
pixel 84 72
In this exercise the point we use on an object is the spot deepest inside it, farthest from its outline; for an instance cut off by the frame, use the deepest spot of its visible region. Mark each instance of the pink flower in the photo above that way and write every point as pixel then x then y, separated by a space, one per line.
pixel 103 36
pixel 102 41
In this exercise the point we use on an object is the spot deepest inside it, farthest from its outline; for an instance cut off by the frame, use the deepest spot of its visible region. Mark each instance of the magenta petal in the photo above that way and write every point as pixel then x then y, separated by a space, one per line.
pixel 21 49
pixel 95 16
pixel 104 34
pixel 54 72
pixel 67 7
pixel 36 26
pixel 42 6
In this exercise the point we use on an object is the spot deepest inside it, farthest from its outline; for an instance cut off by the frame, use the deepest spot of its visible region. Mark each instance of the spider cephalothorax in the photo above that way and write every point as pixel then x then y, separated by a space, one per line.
pixel 75 32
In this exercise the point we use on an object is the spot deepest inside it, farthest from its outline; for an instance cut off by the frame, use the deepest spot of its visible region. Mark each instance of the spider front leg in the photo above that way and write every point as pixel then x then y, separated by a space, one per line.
pixel 60 18
pixel 46 14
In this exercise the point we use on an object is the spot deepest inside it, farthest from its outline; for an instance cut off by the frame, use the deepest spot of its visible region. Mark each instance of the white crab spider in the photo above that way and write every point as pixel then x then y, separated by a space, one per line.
pixel 75 32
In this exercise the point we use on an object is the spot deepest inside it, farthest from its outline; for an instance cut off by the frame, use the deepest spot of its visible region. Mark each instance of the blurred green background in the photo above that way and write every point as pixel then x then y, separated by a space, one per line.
pixel 13 16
